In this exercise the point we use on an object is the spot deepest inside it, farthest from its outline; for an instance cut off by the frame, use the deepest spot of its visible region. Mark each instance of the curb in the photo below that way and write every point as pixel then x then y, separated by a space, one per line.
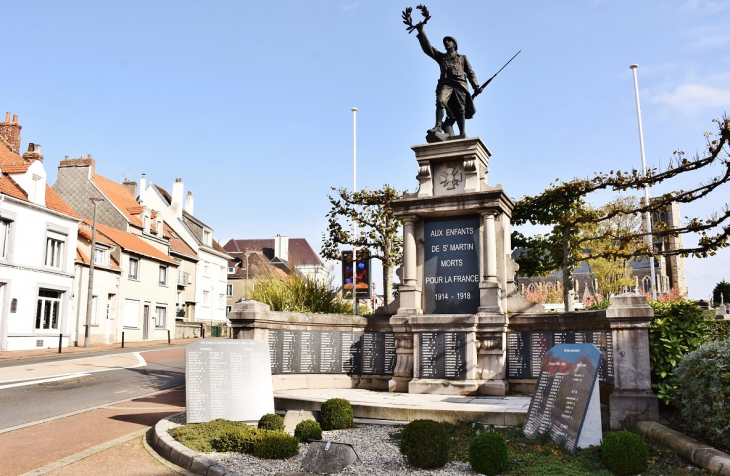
pixel 177 453
pixel 690 449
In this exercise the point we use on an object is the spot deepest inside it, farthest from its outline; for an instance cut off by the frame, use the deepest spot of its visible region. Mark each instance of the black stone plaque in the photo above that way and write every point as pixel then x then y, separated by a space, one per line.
pixel 389 353
pixel 351 352
pixel 442 355
pixel 330 352
pixel 276 342
pixel 518 355
pixel 451 283
pixel 566 404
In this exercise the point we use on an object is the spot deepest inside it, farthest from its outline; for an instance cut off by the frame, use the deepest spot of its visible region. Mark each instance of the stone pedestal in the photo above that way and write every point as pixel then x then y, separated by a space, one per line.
pixel 457 267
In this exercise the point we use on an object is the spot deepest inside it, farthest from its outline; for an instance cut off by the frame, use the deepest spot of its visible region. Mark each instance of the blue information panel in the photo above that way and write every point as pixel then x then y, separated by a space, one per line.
pixel 564 390
pixel 451 284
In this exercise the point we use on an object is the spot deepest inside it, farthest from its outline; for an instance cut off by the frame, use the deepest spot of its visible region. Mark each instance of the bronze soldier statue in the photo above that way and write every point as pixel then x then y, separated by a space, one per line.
pixel 452 91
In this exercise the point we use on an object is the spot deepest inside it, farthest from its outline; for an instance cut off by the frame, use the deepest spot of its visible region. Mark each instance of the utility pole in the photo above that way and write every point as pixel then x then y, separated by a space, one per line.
pixel 245 295
pixel 89 297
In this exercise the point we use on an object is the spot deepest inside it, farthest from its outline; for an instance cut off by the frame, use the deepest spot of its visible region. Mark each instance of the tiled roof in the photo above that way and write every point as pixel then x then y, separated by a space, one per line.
pixel 85 231
pixel 119 196
pixel 300 253
pixel 131 242
pixel 164 193
pixel 135 210
pixel 83 259
pixel 8 186
pixel 15 168
pixel 258 266
pixel 11 162
pixel 177 244
pixel 55 202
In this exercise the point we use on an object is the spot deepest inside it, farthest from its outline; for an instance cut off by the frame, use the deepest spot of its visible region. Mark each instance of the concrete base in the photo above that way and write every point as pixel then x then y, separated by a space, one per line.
pixel 374 382
pixel 443 387
pixel 290 382
pixel 629 407
pixel 399 384
pixel 493 387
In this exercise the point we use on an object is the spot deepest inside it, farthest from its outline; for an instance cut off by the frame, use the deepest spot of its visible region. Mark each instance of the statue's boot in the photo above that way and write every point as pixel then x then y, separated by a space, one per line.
pixel 448 127
pixel 460 120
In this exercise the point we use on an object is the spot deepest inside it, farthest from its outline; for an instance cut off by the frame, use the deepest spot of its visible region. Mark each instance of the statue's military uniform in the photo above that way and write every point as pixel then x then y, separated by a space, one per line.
pixel 452 91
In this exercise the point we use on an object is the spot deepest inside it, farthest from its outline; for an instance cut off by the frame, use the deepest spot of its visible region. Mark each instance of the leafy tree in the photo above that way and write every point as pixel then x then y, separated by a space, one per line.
pixel 563 206
pixel 722 289
pixel 614 273
pixel 378 229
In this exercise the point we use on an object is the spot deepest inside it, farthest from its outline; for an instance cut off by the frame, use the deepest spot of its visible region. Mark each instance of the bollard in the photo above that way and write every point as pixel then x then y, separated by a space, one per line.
pixel 122 339
pixel 168 336
pixel 60 342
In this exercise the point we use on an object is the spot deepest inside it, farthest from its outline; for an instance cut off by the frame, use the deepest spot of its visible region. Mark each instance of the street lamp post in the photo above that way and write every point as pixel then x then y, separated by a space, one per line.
pixel 245 294
pixel 354 221
pixel 90 297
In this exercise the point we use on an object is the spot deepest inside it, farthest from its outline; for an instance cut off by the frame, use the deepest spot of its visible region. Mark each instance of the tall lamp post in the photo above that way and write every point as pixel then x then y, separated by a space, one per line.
pixel 354 221
pixel 245 296
pixel 90 297
pixel 647 218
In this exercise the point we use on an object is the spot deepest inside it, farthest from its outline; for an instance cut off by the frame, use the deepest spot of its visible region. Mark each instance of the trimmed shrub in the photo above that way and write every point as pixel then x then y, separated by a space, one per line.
pixel 271 421
pixel 625 453
pixel 703 386
pixel 425 444
pixel 235 440
pixel 199 436
pixel 274 445
pixel 677 328
pixel 336 414
pixel 488 453
pixel 308 430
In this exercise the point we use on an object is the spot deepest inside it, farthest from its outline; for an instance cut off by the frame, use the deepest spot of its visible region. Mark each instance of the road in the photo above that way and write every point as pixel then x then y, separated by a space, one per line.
pixel 58 410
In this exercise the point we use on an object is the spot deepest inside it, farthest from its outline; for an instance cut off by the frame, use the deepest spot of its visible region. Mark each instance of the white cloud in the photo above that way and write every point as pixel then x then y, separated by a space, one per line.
pixel 692 98
pixel 350 6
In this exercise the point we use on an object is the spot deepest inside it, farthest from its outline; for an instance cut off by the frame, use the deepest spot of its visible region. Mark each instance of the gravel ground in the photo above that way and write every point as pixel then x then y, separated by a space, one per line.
pixel 378 456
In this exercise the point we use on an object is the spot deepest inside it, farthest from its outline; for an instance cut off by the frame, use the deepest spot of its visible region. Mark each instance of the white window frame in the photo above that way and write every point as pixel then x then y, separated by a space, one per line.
pixel 55 246
pixel 221 300
pixel 5 226
pixel 162 276
pixel 206 298
pixel 231 270
pixel 133 276
pixel 43 304
pixel 101 257
pixel 131 312
pixel 228 309
pixel 206 269
pixel 160 316
pixel 229 290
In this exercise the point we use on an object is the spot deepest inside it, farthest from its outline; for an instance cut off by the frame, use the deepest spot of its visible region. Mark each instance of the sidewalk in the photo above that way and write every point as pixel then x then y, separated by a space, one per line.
pixel 52 354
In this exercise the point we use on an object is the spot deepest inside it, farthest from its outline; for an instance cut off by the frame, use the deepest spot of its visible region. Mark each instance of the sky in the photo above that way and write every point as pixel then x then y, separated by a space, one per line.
pixel 250 102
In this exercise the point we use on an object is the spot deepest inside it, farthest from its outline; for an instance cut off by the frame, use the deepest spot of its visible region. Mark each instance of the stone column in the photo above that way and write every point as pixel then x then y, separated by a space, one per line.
pixel 632 399
pixel 490 289
pixel 408 291
pixel 403 372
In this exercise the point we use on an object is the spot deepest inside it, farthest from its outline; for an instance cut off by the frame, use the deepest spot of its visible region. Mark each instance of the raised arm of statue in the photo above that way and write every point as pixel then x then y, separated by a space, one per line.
pixel 426 45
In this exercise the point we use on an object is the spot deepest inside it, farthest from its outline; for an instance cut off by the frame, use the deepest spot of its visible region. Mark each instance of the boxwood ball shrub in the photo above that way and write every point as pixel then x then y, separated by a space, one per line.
pixel 308 430
pixel 336 414
pixel 425 444
pixel 488 453
pixel 274 445
pixel 625 453
pixel 703 386
pixel 271 421
pixel 235 440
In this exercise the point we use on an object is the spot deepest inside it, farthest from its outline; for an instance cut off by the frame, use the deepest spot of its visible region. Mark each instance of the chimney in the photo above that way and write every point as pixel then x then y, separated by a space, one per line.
pixel 142 188
pixel 34 153
pixel 281 248
pixel 189 203
pixel 88 162
pixel 177 197
pixel 10 132
pixel 131 187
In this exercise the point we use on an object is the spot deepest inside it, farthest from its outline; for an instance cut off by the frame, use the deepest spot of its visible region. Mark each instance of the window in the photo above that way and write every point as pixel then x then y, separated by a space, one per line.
pixel 131 313
pixel 228 309
pixel 4 238
pixel 206 298
pixel 160 316
pixel 206 269
pixel 229 290
pixel 223 274
pixel 133 268
pixel 100 257
pixel 231 270
pixel 221 300
pixel 163 275
pixel 48 311
pixel 206 237
pixel 54 251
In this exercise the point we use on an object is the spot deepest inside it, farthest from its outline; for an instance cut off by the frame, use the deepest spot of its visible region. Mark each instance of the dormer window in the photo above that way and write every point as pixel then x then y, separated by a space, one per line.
pixel 206 237
pixel 101 257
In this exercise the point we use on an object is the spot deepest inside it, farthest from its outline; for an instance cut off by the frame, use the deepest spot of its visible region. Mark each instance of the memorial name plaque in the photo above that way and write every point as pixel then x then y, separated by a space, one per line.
pixel 451 249
pixel 525 350
pixel 566 404
pixel 442 355
pixel 331 352
pixel 228 379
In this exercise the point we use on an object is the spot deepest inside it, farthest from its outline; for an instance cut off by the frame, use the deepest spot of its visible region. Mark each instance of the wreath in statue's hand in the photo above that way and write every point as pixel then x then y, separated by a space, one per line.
pixel 407 18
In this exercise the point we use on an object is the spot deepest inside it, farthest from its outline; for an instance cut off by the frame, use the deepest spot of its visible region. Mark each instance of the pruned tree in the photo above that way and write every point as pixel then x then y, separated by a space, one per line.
pixel 563 206
pixel 721 293
pixel 378 229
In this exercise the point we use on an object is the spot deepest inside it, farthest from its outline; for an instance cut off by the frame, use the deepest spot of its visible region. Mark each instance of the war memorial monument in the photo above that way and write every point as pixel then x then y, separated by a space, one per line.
pixel 459 325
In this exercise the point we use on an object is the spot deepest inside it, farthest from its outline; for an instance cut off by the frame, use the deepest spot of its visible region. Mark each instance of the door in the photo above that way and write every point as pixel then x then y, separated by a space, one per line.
pixel 146 322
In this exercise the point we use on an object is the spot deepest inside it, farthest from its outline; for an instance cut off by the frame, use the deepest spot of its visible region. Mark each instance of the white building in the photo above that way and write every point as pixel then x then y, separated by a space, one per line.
pixel 211 268
pixel 38 233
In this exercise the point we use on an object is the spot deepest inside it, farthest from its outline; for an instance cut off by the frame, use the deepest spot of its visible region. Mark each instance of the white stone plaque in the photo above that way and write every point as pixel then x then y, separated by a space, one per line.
pixel 228 379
